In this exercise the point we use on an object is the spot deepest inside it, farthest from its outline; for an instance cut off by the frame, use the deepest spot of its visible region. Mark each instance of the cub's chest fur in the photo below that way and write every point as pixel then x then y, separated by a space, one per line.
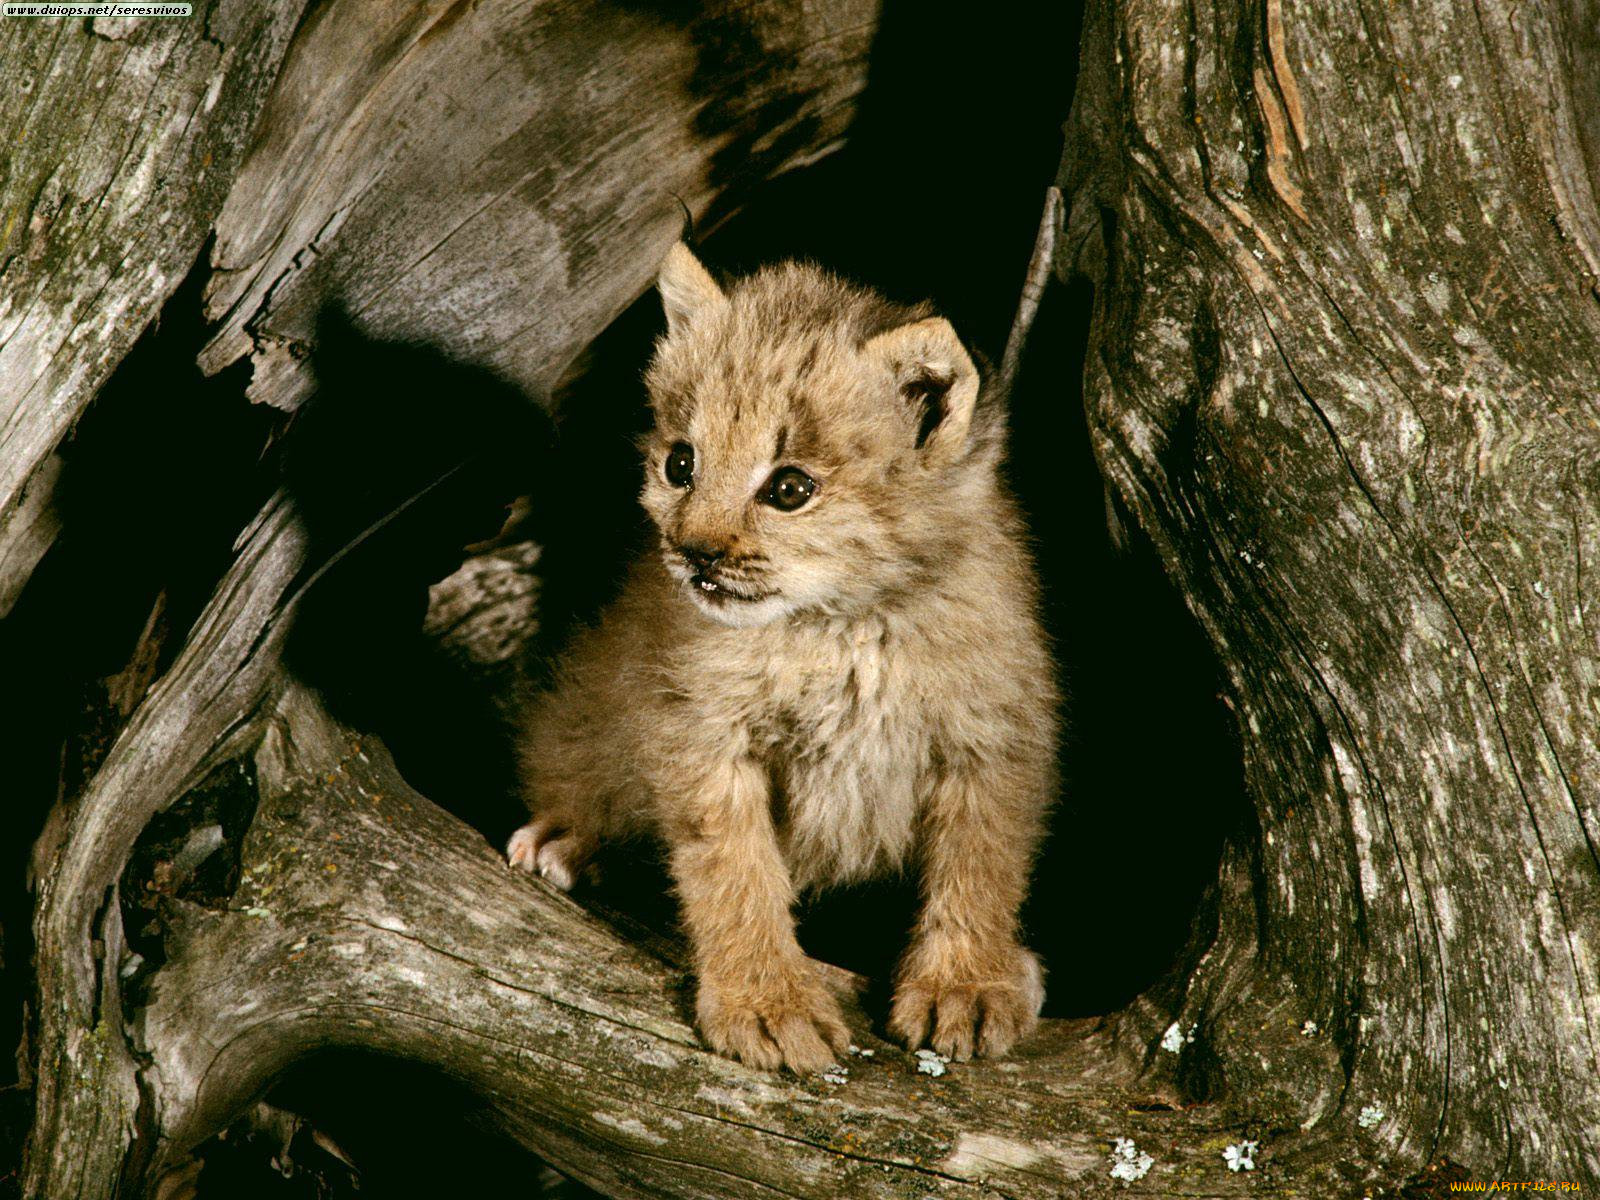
pixel 844 734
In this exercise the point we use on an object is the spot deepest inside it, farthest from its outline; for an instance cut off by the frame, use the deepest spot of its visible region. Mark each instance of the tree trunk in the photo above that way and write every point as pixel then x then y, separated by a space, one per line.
pixel 1342 372
pixel 1344 261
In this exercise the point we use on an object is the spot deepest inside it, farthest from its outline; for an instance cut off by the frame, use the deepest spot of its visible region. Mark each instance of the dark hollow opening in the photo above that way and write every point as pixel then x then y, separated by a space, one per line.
pixel 347 1124
pixel 1149 761
pixel 937 195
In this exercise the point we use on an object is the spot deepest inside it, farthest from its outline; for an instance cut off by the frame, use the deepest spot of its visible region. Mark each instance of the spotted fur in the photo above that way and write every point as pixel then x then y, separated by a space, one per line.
pixel 853 687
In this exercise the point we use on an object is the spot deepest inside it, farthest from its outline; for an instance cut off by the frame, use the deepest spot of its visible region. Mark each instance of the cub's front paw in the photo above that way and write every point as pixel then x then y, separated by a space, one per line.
pixel 963 1003
pixel 794 1023
pixel 551 848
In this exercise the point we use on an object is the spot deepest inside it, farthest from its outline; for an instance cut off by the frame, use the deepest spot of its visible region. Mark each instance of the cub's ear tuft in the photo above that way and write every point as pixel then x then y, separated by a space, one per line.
pixel 936 381
pixel 686 288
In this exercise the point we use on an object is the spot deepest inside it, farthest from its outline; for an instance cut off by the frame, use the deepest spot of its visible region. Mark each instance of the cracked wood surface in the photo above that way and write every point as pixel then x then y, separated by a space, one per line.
pixel 121 139
pixel 501 178
pixel 1343 371
pixel 368 918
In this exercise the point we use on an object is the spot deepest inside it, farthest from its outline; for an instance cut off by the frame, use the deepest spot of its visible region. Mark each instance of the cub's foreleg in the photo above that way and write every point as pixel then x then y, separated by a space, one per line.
pixel 576 785
pixel 759 998
pixel 966 984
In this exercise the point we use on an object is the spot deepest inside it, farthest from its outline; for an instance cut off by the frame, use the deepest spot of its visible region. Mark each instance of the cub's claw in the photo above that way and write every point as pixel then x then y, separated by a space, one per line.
pixel 554 852
pixel 795 1025
pixel 961 1011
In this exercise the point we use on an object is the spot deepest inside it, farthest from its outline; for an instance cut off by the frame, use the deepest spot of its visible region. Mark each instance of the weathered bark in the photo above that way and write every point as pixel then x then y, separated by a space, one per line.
pixel 1342 371
pixel 88 1095
pixel 122 137
pixel 497 179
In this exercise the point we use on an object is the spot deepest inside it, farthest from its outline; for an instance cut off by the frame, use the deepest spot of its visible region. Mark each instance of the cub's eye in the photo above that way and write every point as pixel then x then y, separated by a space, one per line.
pixel 679 466
pixel 789 488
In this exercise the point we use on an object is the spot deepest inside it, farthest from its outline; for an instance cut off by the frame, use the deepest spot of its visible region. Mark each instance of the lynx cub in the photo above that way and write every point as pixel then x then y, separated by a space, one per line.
pixel 832 666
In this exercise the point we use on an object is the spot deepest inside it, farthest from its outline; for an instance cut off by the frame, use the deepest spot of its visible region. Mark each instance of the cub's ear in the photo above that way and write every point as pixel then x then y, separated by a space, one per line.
pixel 936 381
pixel 686 288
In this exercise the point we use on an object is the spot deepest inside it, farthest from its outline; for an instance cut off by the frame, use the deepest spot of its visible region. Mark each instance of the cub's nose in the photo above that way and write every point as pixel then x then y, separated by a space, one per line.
pixel 701 556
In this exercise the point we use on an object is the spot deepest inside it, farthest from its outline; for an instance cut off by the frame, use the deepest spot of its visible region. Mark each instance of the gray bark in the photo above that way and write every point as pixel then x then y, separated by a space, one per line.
pixel 1342 371
pixel 507 196
pixel 122 138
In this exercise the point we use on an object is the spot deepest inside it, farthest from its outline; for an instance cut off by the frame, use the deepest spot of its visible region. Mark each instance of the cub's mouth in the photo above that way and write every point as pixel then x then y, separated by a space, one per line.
pixel 718 591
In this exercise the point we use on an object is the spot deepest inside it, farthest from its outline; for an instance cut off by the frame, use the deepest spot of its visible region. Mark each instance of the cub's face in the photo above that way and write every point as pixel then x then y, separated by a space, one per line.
pixel 812 444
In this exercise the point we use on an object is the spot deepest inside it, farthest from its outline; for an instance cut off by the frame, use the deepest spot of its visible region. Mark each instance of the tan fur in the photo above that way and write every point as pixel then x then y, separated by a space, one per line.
pixel 884 698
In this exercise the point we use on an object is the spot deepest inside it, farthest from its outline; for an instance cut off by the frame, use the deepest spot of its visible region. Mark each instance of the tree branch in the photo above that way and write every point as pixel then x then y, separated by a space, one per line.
pixel 368 918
